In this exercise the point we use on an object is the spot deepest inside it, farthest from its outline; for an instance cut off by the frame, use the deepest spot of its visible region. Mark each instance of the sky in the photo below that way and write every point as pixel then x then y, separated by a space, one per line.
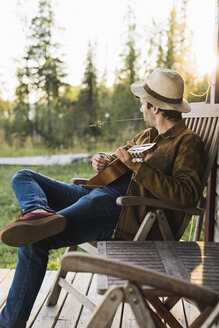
pixel 100 21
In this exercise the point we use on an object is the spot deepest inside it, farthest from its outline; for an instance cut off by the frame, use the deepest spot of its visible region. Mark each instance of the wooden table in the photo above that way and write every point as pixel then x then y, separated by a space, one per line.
pixel 196 262
pixel 153 269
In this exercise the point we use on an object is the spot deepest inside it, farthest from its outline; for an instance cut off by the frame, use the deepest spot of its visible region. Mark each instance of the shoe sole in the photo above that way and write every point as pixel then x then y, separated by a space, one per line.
pixel 24 233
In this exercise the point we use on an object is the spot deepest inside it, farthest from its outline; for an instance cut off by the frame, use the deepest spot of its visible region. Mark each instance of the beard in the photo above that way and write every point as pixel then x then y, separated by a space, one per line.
pixel 149 119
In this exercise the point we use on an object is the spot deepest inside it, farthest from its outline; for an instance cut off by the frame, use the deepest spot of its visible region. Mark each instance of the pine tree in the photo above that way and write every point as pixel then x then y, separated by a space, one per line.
pixel 88 103
pixel 43 72
pixel 173 46
pixel 22 102
pixel 172 40
pixel 124 104
pixel 186 59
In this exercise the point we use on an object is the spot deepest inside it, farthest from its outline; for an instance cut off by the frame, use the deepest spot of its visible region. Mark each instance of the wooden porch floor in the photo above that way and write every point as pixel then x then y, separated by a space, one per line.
pixel 68 312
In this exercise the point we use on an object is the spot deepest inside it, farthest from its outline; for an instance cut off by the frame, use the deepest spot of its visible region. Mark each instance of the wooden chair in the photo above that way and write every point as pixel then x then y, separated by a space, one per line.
pixel 132 292
pixel 204 120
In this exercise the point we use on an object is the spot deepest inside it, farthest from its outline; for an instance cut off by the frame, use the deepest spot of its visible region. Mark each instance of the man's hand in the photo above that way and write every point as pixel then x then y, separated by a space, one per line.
pixel 99 162
pixel 126 158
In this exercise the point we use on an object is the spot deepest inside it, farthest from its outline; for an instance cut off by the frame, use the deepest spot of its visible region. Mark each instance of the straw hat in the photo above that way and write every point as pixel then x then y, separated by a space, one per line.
pixel 164 88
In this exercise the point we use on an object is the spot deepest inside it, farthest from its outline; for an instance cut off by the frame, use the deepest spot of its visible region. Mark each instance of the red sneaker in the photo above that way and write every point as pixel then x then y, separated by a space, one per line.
pixel 34 216
pixel 31 228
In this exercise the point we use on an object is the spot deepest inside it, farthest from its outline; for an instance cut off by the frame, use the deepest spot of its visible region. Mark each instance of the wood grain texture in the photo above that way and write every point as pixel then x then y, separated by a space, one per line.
pixel 196 262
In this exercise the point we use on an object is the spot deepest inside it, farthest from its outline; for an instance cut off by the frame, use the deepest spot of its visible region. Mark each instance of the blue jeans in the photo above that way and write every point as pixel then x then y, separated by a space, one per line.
pixel 91 215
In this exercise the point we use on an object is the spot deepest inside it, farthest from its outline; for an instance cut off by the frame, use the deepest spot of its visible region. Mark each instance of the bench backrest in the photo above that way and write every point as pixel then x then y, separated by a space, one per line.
pixel 204 120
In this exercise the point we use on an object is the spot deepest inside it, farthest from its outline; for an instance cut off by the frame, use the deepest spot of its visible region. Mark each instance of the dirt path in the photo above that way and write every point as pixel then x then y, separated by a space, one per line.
pixel 44 160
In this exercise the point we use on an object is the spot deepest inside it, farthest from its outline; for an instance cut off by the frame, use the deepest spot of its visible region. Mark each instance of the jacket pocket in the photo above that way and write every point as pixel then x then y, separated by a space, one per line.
pixel 160 160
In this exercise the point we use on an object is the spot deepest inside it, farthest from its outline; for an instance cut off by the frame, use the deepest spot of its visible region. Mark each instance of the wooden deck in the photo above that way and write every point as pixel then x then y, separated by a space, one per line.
pixel 68 312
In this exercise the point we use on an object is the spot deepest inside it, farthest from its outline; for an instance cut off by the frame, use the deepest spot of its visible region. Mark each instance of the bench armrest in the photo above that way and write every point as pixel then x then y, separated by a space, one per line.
pixel 138 200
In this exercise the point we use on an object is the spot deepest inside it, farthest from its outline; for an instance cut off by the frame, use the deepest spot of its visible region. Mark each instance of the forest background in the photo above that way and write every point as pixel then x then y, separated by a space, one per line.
pixel 49 115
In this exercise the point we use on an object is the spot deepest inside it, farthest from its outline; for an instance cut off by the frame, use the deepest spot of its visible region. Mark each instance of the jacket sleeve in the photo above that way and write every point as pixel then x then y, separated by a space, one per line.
pixel 182 187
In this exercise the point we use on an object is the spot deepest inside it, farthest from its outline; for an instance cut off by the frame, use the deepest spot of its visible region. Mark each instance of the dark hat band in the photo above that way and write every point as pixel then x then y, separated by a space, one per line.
pixel 162 98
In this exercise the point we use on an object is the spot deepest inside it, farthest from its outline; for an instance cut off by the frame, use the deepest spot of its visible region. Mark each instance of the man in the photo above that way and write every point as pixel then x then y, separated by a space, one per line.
pixel 57 214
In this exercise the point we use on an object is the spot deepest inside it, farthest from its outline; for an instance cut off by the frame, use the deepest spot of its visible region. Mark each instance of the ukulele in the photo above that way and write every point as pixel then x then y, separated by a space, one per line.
pixel 116 168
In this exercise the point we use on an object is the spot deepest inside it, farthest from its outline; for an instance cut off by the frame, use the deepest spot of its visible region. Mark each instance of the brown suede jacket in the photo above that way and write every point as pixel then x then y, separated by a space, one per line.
pixel 171 173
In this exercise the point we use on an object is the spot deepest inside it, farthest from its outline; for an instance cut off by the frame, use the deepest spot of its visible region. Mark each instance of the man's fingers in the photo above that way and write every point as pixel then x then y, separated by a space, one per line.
pixel 98 162
pixel 122 154
pixel 130 143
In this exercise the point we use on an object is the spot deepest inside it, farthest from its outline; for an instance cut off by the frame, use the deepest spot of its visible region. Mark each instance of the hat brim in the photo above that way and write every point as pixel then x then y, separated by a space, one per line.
pixel 139 91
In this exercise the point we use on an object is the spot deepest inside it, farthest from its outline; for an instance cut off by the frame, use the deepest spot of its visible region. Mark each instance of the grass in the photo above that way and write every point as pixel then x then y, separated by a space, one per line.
pixel 9 209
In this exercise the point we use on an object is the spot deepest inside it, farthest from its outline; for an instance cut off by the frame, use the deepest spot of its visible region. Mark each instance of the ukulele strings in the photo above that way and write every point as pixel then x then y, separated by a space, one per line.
pixel 100 124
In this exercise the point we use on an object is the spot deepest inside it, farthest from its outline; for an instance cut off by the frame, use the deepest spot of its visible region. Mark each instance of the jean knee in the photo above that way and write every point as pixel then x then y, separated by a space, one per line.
pixel 19 175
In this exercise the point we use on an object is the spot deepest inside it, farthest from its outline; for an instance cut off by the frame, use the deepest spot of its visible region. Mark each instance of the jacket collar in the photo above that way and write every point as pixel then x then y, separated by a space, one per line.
pixel 153 133
pixel 175 130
